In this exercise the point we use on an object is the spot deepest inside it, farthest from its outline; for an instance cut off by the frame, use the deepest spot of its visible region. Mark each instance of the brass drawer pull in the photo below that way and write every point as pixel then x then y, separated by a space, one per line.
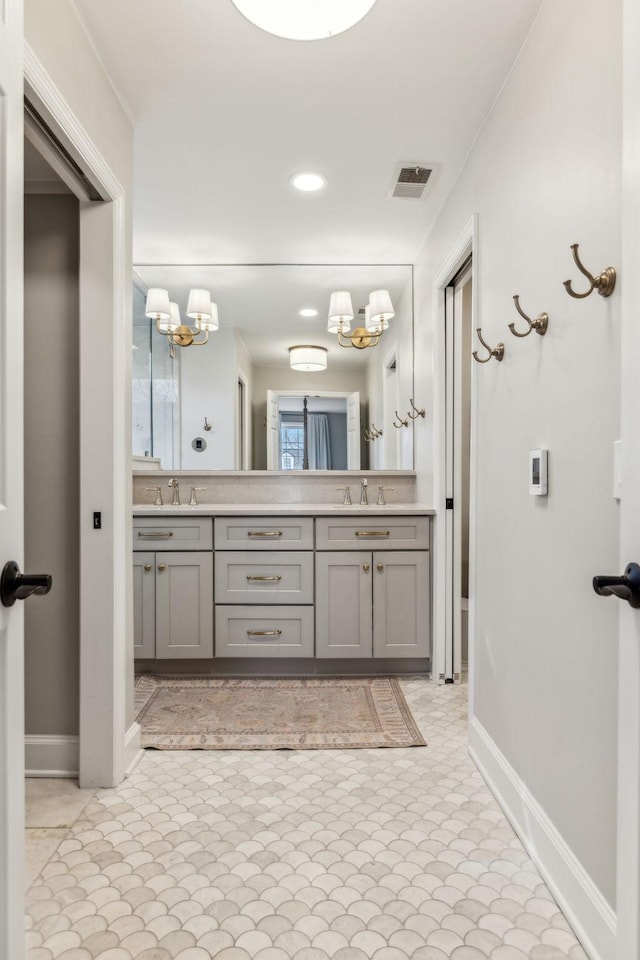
pixel 372 533
pixel 250 577
pixel 155 536
pixel 264 533
pixel 264 633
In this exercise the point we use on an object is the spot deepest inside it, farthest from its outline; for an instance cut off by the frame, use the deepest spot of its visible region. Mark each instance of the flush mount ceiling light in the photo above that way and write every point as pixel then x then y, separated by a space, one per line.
pixel 304 19
pixel 307 358
pixel 167 316
pixel 308 312
pixel 308 182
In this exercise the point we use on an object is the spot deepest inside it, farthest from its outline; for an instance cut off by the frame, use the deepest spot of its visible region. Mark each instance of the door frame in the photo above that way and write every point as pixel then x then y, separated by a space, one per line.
pixel 465 246
pixel 628 834
pixel 107 747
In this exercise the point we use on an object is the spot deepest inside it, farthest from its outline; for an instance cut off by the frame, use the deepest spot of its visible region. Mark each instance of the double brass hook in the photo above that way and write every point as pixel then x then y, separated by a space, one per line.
pixel 604 283
pixel 401 422
pixel 540 323
pixel 497 351
pixel 417 413
pixel 372 433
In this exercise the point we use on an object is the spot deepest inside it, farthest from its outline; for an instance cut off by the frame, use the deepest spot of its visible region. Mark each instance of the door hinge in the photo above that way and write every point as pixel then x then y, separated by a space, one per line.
pixel 449 503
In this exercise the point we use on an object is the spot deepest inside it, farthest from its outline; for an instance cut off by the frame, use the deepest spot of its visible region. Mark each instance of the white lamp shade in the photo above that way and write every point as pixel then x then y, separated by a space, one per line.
pixel 307 358
pixel 199 305
pixel 381 308
pixel 168 326
pixel 157 306
pixel 213 323
pixel 374 326
pixel 340 311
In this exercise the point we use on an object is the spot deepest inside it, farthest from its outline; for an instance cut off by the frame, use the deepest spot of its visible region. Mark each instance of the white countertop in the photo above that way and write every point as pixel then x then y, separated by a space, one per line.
pixel 281 509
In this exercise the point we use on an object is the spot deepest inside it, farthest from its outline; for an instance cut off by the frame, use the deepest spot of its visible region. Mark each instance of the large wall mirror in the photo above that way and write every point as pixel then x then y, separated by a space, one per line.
pixel 235 403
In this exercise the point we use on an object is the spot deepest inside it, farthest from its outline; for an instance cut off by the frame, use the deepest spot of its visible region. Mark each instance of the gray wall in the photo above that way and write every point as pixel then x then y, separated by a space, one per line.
pixel 52 462
pixel 545 173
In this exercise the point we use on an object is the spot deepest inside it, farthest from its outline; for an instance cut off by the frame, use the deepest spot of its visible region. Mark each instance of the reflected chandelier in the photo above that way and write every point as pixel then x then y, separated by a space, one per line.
pixel 377 314
pixel 167 316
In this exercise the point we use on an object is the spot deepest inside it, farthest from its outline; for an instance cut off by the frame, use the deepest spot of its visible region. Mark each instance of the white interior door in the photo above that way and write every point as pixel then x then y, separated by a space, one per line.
pixel 11 482
pixel 353 431
pixel 273 436
pixel 628 878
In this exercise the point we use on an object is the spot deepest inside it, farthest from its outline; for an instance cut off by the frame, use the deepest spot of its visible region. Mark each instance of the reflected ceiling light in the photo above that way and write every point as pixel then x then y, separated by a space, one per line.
pixel 377 314
pixel 308 312
pixel 308 182
pixel 308 358
pixel 304 19
pixel 167 316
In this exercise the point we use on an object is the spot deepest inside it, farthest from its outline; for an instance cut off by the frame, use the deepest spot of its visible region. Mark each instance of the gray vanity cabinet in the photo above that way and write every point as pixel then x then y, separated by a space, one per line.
pixel 372 602
pixel 173 589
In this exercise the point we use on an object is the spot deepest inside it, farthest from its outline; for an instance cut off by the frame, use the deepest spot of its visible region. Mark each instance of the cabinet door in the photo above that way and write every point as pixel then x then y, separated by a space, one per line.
pixel 401 604
pixel 184 605
pixel 343 604
pixel 144 605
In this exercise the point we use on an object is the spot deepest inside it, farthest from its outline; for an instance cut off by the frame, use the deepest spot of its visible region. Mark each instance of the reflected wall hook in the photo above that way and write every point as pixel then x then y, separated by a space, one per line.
pixel 401 422
pixel 374 430
pixel 603 283
pixel 497 351
pixel 540 323
pixel 418 413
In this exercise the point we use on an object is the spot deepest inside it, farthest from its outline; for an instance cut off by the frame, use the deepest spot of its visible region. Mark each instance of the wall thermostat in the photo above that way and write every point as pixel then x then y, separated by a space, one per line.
pixel 199 444
pixel 538 473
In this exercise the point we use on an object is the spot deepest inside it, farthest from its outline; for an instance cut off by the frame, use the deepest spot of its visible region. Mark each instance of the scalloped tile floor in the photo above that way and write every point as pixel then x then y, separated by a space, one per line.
pixel 347 854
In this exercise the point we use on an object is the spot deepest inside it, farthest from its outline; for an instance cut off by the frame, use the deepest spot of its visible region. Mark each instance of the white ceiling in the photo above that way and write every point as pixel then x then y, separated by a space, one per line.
pixel 225 113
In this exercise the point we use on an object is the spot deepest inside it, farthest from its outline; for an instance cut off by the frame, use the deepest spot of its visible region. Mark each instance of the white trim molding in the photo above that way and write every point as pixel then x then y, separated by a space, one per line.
pixel 48 755
pixel 590 915
pixel 133 752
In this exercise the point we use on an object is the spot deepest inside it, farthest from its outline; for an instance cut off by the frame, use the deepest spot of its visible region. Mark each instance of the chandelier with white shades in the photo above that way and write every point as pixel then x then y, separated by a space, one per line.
pixel 166 313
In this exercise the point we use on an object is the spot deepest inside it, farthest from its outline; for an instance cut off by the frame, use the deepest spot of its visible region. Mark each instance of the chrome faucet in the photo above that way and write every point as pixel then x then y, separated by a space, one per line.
pixel 158 492
pixel 381 501
pixel 193 502
pixel 347 495
pixel 364 499
pixel 174 483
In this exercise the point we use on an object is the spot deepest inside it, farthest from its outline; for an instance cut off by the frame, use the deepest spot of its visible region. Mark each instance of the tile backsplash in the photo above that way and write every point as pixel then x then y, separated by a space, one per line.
pixel 258 486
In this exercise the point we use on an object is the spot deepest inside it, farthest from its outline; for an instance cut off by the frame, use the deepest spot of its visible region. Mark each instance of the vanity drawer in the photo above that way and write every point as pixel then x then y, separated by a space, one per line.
pixel 273 577
pixel 264 631
pixel 172 533
pixel 396 533
pixel 263 533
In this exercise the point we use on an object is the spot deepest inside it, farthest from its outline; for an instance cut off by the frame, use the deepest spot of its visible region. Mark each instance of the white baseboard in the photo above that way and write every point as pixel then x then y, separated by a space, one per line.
pixel 51 756
pixel 590 915
pixel 132 750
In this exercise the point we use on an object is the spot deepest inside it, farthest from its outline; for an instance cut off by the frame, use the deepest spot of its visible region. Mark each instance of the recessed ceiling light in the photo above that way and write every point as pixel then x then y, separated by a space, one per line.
pixel 308 312
pixel 308 182
pixel 304 19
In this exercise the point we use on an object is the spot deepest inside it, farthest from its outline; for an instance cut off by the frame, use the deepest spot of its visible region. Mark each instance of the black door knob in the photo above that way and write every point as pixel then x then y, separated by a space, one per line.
pixel 626 587
pixel 18 586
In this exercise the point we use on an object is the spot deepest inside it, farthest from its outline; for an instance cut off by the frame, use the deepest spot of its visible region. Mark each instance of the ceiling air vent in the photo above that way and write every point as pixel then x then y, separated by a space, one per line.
pixel 411 182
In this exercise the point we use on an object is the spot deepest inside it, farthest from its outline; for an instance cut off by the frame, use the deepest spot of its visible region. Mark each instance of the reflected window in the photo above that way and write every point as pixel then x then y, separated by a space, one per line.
pixel 291 444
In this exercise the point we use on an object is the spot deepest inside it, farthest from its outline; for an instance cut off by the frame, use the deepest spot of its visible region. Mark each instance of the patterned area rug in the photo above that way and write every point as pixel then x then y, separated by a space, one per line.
pixel 192 713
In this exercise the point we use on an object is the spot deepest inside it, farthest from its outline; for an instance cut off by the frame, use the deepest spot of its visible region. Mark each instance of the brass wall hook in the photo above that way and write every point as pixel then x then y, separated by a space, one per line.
pixel 374 430
pixel 604 283
pixel 540 323
pixel 418 413
pixel 401 422
pixel 207 425
pixel 497 351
